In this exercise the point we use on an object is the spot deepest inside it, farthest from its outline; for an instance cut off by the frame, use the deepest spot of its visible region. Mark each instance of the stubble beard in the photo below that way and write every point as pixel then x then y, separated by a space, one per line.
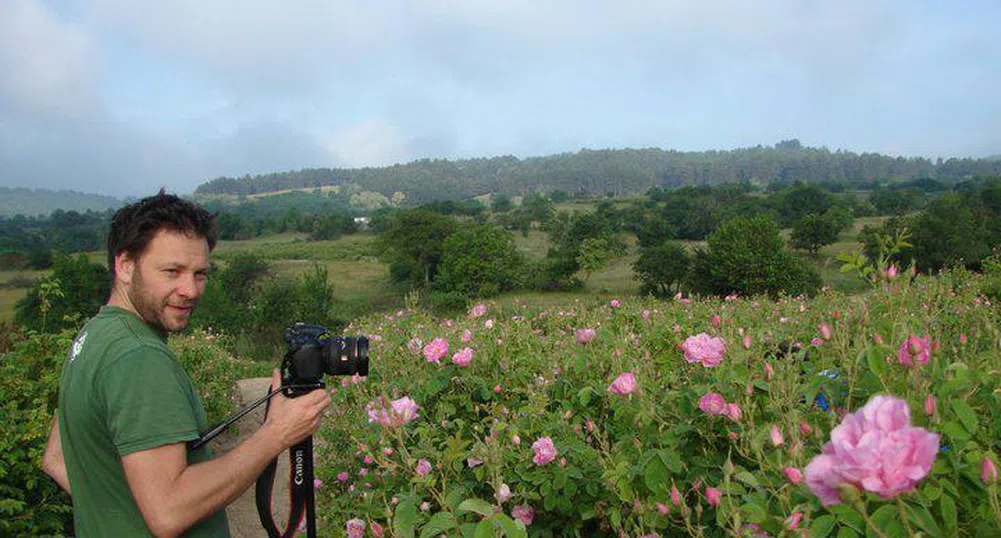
pixel 154 310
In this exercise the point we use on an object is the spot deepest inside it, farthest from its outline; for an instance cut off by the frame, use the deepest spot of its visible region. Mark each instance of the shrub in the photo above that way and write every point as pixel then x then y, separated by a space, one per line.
pixel 638 461
pixel 31 503
pixel 448 303
pixel 662 268
pixel 479 261
pixel 747 256
pixel 76 289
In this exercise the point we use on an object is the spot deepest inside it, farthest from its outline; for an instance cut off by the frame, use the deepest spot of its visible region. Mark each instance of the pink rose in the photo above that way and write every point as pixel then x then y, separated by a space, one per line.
pixel 712 404
pixel 676 499
pixel 875 449
pixel 423 468
pixel 437 349
pixel 523 512
pixel 615 303
pixel 793 520
pixel 704 349
pixel 342 476
pixel 988 471
pixel 478 310
pixel 355 528
pixel 776 436
pixel 825 331
pixel 584 335
pixel 400 412
pixel 466 336
pixel 914 350
pixel 463 357
pixel 503 494
pixel 376 529
pixel 624 384
pixel 733 412
pixel 714 496
pixel 545 451
pixel 794 475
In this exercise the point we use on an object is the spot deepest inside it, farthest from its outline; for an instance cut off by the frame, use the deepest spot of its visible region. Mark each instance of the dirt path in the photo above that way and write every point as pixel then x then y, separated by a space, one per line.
pixel 244 521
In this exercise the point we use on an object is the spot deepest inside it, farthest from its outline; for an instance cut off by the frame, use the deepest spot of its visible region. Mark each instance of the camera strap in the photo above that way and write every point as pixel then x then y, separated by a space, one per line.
pixel 300 493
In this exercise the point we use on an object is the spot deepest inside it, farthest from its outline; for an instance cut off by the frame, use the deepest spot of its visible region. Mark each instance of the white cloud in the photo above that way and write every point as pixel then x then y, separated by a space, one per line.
pixel 48 66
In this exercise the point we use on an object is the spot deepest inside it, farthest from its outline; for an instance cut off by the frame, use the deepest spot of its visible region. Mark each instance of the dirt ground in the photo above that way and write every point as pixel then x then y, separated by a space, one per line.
pixel 244 521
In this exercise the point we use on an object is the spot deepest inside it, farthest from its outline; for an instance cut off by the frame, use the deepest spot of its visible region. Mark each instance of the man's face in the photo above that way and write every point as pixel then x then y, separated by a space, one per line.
pixel 167 281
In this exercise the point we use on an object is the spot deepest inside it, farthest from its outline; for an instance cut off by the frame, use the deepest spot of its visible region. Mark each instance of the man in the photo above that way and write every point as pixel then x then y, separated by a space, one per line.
pixel 126 407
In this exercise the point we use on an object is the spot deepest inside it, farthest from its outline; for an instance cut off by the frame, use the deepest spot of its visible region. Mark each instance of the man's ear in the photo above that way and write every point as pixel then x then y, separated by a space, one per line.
pixel 124 267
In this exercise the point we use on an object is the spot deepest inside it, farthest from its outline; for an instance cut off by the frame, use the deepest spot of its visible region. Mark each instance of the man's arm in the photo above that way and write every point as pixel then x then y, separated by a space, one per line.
pixel 52 459
pixel 173 495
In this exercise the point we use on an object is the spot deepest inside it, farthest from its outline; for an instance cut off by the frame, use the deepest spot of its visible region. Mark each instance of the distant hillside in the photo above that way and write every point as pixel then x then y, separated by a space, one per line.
pixel 620 172
pixel 34 202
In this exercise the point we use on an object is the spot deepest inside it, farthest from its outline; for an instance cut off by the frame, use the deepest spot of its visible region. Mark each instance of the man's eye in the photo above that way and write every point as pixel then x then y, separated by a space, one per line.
pixel 171 271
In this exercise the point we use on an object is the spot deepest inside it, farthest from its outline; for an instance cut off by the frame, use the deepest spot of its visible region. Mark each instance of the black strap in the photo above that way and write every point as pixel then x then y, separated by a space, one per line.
pixel 302 501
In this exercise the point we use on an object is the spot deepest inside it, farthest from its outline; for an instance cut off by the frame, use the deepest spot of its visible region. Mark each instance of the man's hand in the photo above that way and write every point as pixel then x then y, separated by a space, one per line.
pixel 293 419
pixel 173 495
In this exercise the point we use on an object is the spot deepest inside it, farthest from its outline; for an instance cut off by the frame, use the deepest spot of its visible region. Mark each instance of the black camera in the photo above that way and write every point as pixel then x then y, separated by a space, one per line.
pixel 313 351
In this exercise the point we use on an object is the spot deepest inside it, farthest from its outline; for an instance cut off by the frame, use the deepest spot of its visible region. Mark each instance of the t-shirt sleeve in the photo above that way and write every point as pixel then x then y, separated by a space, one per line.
pixel 147 401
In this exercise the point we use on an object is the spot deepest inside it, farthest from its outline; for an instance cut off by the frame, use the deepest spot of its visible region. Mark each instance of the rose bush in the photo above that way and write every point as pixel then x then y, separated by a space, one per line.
pixel 719 440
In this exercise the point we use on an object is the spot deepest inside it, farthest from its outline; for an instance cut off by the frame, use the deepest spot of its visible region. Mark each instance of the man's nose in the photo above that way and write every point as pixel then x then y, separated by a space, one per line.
pixel 189 287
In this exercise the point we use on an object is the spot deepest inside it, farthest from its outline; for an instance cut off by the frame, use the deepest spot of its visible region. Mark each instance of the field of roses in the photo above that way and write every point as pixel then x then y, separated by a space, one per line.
pixel 868 415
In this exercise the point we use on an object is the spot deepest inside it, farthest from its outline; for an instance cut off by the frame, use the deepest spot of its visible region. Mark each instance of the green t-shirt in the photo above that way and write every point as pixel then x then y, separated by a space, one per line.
pixel 122 391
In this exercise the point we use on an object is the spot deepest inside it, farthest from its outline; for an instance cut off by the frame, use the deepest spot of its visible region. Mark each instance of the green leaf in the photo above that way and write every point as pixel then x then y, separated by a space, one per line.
pixel 484 529
pixel 584 395
pixel 822 526
pixel 439 523
pixel 966 415
pixel 455 496
pixel 655 474
pixel 476 505
pixel 920 516
pixel 876 362
pixel 403 520
pixel 754 513
pixel 950 516
pixel 510 527
pixel 747 478
pixel 885 519
pixel 955 431
pixel 847 532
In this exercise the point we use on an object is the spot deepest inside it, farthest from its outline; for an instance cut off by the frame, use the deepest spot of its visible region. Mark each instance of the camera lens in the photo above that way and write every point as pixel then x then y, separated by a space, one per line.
pixel 347 356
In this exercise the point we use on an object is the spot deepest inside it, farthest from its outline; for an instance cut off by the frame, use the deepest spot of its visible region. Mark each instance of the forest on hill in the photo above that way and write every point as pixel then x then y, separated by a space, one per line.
pixel 618 172
pixel 35 202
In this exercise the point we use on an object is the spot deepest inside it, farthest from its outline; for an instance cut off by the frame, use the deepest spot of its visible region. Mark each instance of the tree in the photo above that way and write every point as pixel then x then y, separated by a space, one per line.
pixel 480 261
pixel 83 287
pixel 746 255
pixel 662 268
pixel 813 232
pixel 594 254
pixel 568 233
pixel 945 234
pixel 415 240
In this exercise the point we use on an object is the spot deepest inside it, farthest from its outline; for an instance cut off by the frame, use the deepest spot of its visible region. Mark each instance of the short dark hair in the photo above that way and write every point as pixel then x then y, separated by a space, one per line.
pixel 133 226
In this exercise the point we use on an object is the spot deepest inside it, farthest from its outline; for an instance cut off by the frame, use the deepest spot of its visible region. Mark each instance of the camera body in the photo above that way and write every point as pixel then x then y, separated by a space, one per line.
pixel 313 352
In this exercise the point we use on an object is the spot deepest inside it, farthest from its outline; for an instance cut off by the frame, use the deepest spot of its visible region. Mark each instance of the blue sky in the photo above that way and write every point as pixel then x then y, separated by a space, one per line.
pixel 121 97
